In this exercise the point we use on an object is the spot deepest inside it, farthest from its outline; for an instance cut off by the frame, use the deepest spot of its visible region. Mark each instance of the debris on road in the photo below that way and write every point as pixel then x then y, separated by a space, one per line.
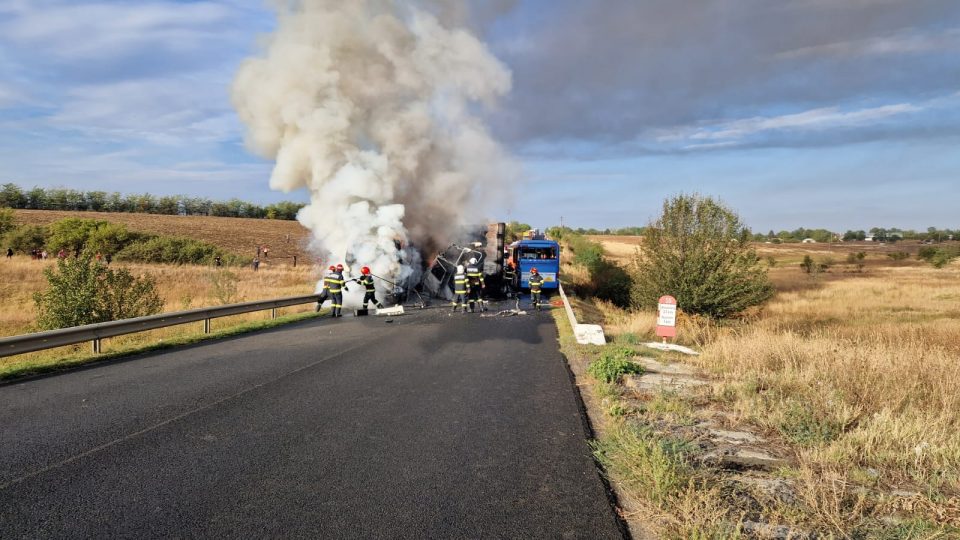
pixel 390 311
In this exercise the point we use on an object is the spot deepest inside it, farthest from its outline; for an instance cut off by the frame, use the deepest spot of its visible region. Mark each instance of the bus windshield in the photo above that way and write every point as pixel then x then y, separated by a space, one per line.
pixel 539 253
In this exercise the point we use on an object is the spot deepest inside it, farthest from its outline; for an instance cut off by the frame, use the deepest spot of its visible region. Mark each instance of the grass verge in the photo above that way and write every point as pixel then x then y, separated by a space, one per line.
pixel 848 381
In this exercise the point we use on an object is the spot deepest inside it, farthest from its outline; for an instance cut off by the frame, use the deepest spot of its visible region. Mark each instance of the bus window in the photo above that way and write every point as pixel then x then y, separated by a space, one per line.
pixel 542 253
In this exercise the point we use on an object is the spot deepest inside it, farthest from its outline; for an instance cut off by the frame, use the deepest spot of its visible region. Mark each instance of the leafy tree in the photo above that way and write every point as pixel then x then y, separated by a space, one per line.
pixel 808 265
pixel 72 234
pixel 37 199
pixel 515 231
pixel 11 196
pixel 96 200
pixel 168 205
pixel 81 291
pixel 114 202
pixel 698 251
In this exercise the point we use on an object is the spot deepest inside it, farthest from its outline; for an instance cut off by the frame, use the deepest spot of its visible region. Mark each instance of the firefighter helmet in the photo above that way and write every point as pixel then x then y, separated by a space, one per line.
pixel 473 260
pixel 460 268
pixel 333 268
pixel 365 270
pixel 339 268
pixel 534 271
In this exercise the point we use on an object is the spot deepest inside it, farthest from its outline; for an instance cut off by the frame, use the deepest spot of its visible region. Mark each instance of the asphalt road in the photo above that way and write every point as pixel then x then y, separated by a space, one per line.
pixel 433 426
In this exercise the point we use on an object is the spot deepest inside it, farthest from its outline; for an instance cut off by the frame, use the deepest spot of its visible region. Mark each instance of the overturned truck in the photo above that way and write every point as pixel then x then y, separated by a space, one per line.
pixel 486 243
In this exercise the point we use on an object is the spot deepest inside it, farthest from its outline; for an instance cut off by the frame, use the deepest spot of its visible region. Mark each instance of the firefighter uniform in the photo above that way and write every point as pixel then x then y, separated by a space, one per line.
pixel 334 283
pixel 325 293
pixel 536 286
pixel 370 291
pixel 475 286
pixel 461 287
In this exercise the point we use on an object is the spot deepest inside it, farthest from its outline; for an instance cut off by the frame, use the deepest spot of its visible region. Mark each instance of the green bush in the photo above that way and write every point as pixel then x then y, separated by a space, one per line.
pixel 174 250
pixel 224 284
pixel 927 253
pixel 698 251
pixel 72 234
pixel 613 364
pixel 82 291
pixel 110 238
pixel 26 238
pixel 943 257
pixel 8 221
pixel 608 281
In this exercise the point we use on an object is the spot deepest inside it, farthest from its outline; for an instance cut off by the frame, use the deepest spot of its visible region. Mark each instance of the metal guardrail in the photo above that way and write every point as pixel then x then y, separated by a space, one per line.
pixel 10 346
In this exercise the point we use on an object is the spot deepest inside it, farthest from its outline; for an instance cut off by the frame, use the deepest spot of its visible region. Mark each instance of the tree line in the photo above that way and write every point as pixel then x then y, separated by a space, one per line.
pixel 879 234
pixel 13 196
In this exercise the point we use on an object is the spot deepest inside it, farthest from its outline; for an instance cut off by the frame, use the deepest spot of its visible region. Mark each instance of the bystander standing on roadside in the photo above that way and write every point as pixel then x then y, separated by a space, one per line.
pixel 217 261
pixel 61 254
pixel 43 255
pixel 256 264
pixel 9 253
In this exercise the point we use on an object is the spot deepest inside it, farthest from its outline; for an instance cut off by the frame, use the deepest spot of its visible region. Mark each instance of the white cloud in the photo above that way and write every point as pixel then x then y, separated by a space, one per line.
pixel 730 133
pixel 815 119
pixel 101 31
pixel 172 110
pixel 905 42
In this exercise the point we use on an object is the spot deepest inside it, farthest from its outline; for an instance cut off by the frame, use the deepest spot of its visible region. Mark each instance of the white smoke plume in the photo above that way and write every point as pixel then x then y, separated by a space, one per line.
pixel 372 105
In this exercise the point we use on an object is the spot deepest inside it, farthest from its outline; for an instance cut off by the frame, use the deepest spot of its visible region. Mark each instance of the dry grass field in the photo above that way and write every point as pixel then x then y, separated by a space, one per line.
pixel 181 287
pixel 852 373
pixel 239 235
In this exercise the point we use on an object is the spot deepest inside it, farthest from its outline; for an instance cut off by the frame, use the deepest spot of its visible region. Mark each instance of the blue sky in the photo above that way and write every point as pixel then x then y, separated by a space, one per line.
pixel 803 113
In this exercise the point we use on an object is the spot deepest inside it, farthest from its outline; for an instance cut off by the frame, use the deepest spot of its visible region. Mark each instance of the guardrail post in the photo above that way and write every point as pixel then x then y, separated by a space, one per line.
pixel 97 347
pixel 273 313
pixel 206 326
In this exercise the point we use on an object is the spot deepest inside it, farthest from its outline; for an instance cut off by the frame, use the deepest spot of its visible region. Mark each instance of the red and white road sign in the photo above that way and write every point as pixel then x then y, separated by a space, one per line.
pixel 667 317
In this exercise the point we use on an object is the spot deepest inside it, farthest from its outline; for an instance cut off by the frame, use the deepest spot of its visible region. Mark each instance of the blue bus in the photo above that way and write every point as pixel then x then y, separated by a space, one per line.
pixel 539 253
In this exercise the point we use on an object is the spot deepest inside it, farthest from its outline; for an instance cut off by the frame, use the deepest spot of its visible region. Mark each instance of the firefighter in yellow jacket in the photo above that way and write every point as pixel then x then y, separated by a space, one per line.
pixel 461 287
pixel 325 293
pixel 370 290
pixel 334 283
pixel 476 285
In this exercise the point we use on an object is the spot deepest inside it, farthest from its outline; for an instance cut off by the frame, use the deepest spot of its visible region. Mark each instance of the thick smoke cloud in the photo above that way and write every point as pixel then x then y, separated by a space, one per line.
pixel 371 105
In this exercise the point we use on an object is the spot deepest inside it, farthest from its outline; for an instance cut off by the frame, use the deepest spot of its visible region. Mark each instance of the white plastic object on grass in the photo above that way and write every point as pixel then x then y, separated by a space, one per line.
pixel 672 347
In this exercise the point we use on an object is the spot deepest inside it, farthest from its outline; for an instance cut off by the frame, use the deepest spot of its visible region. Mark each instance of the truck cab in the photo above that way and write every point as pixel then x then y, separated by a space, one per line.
pixel 539 253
